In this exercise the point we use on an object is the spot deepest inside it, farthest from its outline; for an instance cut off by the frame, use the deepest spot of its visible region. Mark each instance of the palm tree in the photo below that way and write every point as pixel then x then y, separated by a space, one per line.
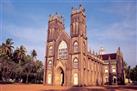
pixel 128 72
pixel 39 71
pixel 20 52
pixel 34 54
pixel 6 50
pixel 28 67
pixel 7 47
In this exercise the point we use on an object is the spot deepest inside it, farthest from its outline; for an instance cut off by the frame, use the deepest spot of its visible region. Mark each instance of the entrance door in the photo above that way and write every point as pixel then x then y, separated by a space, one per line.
pixel 75 79
pixel 59 79
pixel 114 79
pixel 49 79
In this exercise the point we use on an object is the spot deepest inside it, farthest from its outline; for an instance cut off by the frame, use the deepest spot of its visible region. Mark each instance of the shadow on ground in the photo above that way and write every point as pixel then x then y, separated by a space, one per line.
pixel 105 88
pixel 78 89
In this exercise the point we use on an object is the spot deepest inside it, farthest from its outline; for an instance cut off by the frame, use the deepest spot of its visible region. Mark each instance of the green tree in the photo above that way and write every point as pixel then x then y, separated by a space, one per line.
pixel 128 71
pixel 34 54
pixel 6 69
pixel 7 47
pixel 18 65
pixel 28 70
pixel 133 74
pixel 39 71
pixel 20 53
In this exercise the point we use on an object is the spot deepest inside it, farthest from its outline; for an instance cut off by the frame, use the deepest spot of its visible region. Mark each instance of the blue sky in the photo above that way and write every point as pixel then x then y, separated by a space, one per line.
pixel 110 24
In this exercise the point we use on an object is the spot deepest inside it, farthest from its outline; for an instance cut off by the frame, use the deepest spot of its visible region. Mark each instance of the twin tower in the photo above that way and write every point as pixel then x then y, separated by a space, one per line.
pixel 68 62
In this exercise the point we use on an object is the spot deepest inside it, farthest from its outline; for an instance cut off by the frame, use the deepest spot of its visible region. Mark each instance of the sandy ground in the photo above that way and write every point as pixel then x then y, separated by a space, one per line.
pixel 40 87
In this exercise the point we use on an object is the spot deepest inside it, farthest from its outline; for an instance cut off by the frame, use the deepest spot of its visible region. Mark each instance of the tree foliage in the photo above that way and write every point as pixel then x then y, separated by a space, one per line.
pixel 18 66
pixel 133 73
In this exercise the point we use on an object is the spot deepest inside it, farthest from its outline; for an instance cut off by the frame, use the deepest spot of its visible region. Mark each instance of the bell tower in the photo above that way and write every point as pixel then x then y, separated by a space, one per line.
pixel 78 22
pixel 55 27
pixel 79 45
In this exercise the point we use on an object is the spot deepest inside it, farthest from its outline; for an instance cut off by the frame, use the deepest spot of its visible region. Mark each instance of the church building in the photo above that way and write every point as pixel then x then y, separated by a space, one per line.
pixel 68 62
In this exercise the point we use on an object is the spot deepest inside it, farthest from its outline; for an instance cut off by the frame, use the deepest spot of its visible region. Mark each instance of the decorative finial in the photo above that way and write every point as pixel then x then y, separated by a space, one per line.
pixel 119 48
pixel 80 5
pixel 49 15
pixel 83 10
pixel 93 52
pixel 72 8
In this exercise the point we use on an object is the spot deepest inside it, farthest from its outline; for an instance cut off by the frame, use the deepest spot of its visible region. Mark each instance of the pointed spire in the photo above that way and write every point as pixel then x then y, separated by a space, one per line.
pixel 93 52
pixel 90 50
pixel 78 9
pixel 118 51
pixel 109 58
pixel 101 51
pixel 118 48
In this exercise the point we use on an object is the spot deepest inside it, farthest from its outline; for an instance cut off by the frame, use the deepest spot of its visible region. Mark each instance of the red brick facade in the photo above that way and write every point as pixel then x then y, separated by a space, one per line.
pixel 68 61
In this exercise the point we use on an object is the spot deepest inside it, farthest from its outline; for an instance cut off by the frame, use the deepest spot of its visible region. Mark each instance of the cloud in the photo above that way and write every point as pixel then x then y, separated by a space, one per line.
pixel 122 29
pixel 30 37
pixel 32 34
pixel 117 31
pixel 120 8
pixel 25 29
pixel 121 32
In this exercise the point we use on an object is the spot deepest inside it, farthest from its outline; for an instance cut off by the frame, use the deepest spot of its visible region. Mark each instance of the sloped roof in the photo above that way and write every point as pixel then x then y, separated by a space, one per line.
pixel 106 56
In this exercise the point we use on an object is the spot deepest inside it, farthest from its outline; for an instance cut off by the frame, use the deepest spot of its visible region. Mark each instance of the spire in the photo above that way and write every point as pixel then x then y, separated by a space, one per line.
pixel 93 52
pixel 101 51
pixel 79 9
pixel 118 48
pixel 56 16
pixel 119 52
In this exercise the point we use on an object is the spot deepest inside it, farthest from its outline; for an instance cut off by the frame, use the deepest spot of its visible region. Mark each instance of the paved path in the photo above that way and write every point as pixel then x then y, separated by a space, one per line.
pixel 40 87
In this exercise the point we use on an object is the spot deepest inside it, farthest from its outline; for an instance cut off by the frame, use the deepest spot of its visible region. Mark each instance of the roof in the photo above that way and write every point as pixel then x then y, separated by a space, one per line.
pixel 106 56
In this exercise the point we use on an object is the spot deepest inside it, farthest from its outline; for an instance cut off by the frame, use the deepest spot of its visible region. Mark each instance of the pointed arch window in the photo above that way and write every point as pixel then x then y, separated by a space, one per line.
pixel 75 46
pixel 50 50
pixel 76 24
pixel 84 46
pixel 73 30
pixel 62 50
pixel 49 64
pixel 49 81
pixel 75 63
pixel 75 79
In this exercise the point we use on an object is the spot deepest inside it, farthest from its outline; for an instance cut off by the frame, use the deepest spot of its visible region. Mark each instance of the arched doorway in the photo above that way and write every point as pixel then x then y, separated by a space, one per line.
pixel 75 79
pixel 49 81
pixel 59 79
pixel 114 79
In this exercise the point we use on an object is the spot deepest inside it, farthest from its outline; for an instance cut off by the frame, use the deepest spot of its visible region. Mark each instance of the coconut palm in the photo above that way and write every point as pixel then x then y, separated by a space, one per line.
pixel 16 65
pixel 34 54
pixel 28 67
pixel 20 53
pixel 7 47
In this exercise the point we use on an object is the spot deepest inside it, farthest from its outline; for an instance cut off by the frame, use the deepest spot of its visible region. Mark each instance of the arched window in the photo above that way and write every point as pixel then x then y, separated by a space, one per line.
pixel 49 64
pixel 84 63
pixel 75 46
pixel 76 27
pixel 84 46
pixel 75 63
pixel 73 28
pixel 75 79
pixel 50 50
pixel 62 50
pixel 49 79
